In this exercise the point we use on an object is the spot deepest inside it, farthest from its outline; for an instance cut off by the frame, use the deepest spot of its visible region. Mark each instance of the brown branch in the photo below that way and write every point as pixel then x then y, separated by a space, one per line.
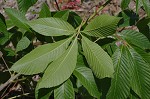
pixel 9 81
pixel 57 5
pixel 97 11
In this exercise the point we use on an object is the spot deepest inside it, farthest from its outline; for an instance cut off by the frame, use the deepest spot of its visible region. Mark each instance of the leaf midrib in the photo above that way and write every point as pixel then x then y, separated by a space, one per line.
pixel 43 54
pixel 97 28
pixel 136 71
pixel 14 15
pixel 84 77
pixel 62 60
pixel 93 54
pixel 54 28
pixel 117 72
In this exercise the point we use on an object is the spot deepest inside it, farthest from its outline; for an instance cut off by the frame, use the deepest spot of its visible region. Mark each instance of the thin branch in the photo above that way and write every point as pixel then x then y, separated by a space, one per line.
pixel 9 81
pixel 6 64
pixel 97 11
pixel 57 5
pixel 25 94
pixel 5 90
pixel 53 39
pixel 97 39
pixel 8 91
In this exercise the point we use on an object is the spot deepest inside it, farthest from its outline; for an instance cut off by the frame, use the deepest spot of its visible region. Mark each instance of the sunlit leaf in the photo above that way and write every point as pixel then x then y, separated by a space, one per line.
pixel 23 44
pixel 99 61
pixel 17 18
pixel 37 60
pixel 65 91
pixel 140 78
pixel 102 26
pixel 120 84
pixel 136 38
pixel 45 11
pixel 51 27
pixel 61 69
pixel 62 14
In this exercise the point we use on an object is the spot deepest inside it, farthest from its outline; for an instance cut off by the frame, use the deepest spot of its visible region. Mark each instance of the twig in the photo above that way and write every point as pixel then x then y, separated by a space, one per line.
pixel 57 5
pixel 97 39
pixel 6 64
pixel 5 90
pixel 8 91
pixel 53 39
pixel 9 81
pixel 25 94
pixel 97 11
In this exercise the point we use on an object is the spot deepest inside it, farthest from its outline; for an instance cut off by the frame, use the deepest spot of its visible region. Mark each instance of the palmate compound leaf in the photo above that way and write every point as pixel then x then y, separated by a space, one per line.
pixel 85 76
pixel 65 91
pixel 102 26
pixel 140 75
pixel 37 60
pixel 60 69
pixel 120 84
pixel 136 38
pixel 51 27
pixel 17 18
pixel 98 60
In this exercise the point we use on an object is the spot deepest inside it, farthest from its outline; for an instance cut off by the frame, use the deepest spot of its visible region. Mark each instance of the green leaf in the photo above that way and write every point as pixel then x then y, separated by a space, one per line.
pixel 37 60
pixel 136 38
pixel 74 19
pixel 61 69
pixel 65 91
pixel 17 18
pixel 144 26
pixel 24 5
pixel 138 5
pixel 98 60
pixel 23 44
pixel 102 26
pixel 43 93
pixel 9 24
pixel 124 4
pixel 145 55
pixel 86 78
pixel 3 27
pixel 45 11
pixel 51 27
pixel 10 51
pixel 129 18
pixel 146 4
pixel 62 14
pixel 120 84
pixel 110 48
pixel 5 37
pixel 140 78
pixel 133 97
